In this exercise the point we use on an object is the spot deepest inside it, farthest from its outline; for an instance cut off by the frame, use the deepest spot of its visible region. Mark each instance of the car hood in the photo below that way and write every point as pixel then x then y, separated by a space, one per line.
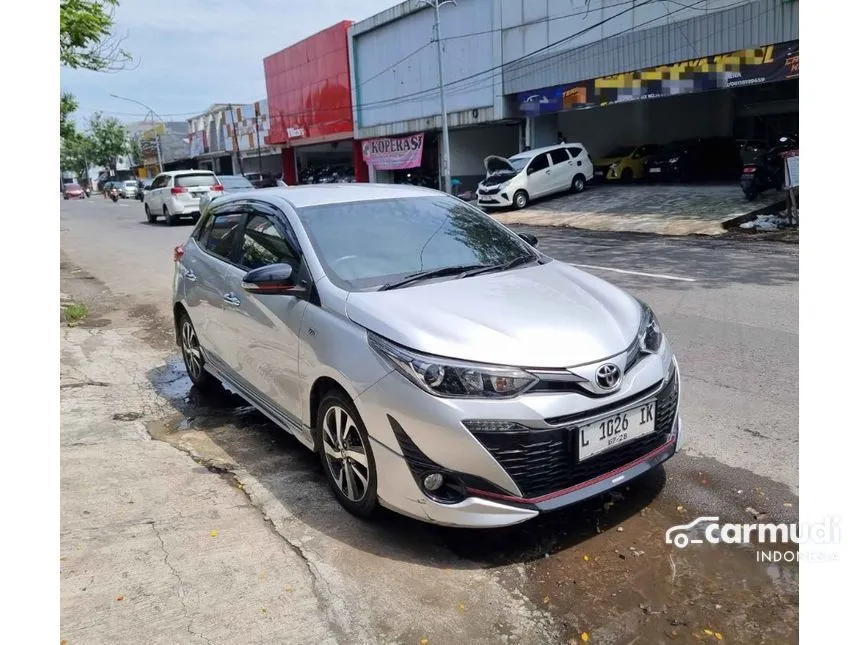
pixel 550 315
pixel 608 161
pixel 494 163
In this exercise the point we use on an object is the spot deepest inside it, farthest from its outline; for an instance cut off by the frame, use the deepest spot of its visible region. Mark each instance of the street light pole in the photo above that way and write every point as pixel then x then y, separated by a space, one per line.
pixel 446 147
pixel 152 116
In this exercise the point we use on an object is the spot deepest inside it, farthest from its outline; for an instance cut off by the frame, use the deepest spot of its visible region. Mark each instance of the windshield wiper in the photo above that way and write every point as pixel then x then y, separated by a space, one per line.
pixel 522 259
pixel 433 273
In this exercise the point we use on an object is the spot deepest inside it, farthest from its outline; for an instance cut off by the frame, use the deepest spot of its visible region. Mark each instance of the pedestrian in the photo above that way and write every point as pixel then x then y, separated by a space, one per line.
pixel 562 138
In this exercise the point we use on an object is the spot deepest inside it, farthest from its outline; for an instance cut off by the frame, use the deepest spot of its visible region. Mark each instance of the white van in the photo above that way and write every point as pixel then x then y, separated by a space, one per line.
pixel 534 173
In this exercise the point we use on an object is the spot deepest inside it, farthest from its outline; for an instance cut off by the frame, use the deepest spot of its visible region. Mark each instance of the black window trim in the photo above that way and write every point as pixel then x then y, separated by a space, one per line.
pixel 232 208
pixel 264 209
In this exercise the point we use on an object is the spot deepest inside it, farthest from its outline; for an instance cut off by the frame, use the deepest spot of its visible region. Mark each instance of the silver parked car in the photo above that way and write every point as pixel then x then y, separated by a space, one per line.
pixel 438 363
pixel 230 184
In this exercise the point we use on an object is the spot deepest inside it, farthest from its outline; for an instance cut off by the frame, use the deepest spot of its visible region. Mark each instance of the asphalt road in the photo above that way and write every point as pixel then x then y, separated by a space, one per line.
pixel 730 309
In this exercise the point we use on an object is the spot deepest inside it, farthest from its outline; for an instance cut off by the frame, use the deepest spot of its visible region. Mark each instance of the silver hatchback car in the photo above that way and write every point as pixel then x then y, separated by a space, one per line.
pixel 438 363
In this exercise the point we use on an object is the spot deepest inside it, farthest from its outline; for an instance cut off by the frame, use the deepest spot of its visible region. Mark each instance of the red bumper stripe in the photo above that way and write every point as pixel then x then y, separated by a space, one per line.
pixel 590 482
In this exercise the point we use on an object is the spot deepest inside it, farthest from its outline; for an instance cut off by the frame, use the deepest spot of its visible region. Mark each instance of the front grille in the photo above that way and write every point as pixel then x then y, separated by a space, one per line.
pixel 540 462
pixel 488 191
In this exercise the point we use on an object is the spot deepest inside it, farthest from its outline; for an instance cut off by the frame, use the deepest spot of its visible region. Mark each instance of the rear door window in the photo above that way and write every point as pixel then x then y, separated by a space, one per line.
pixel 218 237
pixel 559 155
pixel 193 181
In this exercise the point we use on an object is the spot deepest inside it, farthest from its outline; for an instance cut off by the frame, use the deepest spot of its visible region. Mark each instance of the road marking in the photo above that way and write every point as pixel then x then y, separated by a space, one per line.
pixel 647 275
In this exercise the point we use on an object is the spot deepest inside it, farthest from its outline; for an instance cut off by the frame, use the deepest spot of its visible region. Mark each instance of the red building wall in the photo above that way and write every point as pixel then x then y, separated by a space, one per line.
pixel 308 89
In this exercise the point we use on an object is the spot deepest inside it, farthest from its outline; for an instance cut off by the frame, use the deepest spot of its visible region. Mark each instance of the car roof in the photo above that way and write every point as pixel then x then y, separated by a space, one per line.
pixel 174 173
pixel 320 194
pixel 528 154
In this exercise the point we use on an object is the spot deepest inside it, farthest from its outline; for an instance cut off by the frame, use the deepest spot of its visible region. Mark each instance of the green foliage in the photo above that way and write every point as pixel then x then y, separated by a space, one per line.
pixel 108 139
pixel 68 105
pixel 86 36
pixel 76 154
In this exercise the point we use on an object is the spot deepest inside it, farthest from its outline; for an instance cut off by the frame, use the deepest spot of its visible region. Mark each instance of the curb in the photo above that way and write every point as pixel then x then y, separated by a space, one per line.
pixel 735 222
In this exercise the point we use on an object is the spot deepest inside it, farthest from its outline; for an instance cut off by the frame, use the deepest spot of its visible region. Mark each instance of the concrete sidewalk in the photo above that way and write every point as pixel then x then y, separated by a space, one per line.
pixel 664 209
pixel 155 548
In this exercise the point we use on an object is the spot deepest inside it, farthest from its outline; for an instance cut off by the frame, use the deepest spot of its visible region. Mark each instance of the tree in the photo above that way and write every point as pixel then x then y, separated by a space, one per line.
pixel 76 154
pixel 108 140
pixel 87 40
pixel 68 105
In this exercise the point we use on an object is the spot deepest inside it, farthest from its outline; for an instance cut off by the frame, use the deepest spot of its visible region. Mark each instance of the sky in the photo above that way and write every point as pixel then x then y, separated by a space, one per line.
pixel 189 54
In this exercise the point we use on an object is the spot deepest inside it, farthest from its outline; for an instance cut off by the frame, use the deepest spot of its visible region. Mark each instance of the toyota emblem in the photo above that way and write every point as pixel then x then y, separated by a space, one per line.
pixel 608 376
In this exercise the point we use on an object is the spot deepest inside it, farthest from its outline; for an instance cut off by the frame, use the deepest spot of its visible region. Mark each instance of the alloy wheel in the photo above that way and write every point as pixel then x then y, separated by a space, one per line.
pixel 345 453
pixel 191 353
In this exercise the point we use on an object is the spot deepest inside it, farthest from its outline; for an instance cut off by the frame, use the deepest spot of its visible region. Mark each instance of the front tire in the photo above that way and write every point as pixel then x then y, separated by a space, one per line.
pixel 347 459
pixel 521 199
pixel 192 354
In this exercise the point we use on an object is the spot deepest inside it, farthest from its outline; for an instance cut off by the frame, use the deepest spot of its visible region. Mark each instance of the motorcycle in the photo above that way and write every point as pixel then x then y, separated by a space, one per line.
pixel 766 171
pixel 114 195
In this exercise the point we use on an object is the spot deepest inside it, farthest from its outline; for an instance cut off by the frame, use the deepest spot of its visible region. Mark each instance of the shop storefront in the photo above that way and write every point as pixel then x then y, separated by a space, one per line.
pixel 747 94
pixel 310 110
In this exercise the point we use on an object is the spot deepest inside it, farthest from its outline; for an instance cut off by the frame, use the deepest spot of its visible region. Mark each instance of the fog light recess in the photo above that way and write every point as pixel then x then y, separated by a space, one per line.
pixel 433 481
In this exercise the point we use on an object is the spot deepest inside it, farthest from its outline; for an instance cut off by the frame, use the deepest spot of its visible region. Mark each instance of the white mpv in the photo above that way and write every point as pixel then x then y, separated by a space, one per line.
pixel 534 173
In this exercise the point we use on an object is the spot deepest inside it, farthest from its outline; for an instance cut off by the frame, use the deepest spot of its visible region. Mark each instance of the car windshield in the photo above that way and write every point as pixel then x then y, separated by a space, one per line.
pixel 235 183
pixel 131 183
pixel 623 151
pixel 191 181
pixel 519 162
pixel 364 245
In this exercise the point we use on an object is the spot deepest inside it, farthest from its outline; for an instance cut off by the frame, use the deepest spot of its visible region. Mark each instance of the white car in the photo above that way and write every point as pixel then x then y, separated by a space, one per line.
pixel 534 173
pixel 176 194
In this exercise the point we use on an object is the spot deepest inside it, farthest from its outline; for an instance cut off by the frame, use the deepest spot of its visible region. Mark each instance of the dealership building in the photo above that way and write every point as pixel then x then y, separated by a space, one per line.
pixel 310 108
pixel 521 73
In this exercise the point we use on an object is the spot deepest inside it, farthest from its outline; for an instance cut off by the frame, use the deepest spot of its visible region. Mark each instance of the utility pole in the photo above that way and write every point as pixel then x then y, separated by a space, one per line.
pixel 157 144
pixel 152 116
pixel 257 132
pixel 446 148
pixel 236 140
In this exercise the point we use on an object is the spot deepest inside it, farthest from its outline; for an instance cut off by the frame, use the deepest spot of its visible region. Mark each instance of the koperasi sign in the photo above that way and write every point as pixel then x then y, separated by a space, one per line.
pixel 394 153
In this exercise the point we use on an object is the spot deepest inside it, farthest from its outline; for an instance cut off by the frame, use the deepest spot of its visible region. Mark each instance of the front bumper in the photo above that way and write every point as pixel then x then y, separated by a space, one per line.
pixel 494 197
pixel 502 479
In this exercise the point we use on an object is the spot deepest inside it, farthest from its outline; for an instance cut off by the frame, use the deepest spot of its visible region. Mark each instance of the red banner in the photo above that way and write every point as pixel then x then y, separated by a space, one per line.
pixel 393 153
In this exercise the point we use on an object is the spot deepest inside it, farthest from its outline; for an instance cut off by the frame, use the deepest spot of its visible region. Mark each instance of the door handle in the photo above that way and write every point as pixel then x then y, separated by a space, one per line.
pixel 231 299
pixel 189 275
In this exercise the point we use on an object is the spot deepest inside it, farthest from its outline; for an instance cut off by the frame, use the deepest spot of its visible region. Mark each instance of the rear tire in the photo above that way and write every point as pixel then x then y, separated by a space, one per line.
pixel 578 184
pixel 170 220
pixel 521 199
pixel 192 354
pixel 750 193
pixel 149 216
pixel 346 455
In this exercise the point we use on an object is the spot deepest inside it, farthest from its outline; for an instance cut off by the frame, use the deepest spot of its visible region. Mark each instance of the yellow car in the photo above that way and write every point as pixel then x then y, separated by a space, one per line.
pixel 625 163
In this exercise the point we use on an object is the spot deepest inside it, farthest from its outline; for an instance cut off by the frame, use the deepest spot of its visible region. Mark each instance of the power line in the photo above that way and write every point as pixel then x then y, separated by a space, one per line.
pixel 523 72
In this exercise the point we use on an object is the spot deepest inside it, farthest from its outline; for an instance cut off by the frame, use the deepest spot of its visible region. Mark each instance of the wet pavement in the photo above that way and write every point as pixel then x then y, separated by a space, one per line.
pixel 601 568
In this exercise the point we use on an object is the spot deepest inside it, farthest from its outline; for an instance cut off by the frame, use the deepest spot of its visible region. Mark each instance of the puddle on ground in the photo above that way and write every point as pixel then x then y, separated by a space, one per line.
pixel 601 567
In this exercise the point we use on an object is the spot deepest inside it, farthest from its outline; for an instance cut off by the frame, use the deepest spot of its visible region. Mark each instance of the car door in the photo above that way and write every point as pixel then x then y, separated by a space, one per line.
pixel 155 197
pixel 562 169
pixel 204 267
pixel 265 328
pixel 539 176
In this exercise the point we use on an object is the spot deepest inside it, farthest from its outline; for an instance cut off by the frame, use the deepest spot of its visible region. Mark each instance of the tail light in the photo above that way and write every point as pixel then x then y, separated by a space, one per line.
pixel 178 252
pixel 217 188
pixel 749 168
pixel 178 190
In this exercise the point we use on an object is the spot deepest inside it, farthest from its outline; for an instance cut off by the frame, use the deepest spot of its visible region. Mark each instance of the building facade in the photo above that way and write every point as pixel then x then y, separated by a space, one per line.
pixel 310 109
pixel 245 131
pixel 206 140
pixel 607 73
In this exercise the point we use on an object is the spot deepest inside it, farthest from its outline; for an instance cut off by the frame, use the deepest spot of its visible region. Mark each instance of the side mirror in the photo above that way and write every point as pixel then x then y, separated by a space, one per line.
pixel 529 239
pixel 530 170
pixel 274 279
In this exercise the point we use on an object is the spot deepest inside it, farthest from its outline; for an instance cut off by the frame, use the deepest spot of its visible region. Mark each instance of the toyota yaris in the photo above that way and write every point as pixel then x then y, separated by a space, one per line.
pixel 438 363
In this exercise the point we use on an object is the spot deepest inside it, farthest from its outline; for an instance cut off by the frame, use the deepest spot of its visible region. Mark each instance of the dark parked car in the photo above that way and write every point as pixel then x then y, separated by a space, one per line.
pixel 696 159
pixel 231 184
pixel 261 179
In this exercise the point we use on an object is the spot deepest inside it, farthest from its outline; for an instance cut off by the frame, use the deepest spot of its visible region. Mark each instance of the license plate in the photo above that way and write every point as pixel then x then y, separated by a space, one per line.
pixel 654 170
pixel 598 173
pixel 612 431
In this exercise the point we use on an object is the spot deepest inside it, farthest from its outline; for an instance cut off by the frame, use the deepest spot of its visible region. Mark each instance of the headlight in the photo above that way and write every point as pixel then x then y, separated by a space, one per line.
pixel 674 160
pixel 453 378
pixel 650 336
